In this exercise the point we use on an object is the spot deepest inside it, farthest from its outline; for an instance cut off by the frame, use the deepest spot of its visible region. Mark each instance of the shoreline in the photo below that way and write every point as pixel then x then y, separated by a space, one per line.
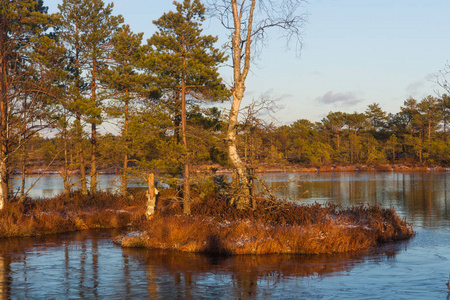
pixel 275 168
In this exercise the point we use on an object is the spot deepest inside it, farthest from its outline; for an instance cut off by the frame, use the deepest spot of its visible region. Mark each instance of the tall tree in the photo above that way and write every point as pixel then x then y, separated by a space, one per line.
pixel 86 29
pixel 100 26
pixel 186 62
pixel 126 84
pixel 72 30
pixel 335 122
pixel 377 119
pixel 248 22
pixel 430 113
pixel 444 102
pixel 355 122
pixel 27 57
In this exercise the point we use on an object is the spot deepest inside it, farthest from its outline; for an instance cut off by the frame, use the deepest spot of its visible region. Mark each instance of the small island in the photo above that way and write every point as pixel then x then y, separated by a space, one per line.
pixel 215 225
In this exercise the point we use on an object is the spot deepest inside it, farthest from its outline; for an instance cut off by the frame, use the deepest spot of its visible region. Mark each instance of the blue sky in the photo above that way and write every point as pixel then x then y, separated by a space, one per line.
pixel 354 53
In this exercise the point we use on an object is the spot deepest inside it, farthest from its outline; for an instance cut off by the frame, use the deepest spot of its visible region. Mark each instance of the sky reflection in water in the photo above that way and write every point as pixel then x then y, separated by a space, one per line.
pixel 88 265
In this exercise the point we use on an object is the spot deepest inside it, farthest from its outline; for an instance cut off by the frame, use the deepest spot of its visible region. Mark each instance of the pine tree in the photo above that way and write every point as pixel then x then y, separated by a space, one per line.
pixel 86 29
pixel 125 83
pixel 28 54
pixel 186 63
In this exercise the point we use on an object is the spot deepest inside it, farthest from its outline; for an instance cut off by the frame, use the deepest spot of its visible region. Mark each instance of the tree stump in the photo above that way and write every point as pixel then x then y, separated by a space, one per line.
pixel 152 194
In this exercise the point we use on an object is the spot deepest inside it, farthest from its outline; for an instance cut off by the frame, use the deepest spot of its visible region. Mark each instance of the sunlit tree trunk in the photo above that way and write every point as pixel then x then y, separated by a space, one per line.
pixel 241 67
pixel 24 161
pixel 152 193
pixel 3 113
pixel 93 184
pixel 186 185
pixel 79 133
pixel 125 157
pixel 66 167
pixel 78 126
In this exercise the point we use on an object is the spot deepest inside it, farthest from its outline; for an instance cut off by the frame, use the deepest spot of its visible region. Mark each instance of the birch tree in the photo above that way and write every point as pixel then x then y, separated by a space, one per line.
pixel 248 22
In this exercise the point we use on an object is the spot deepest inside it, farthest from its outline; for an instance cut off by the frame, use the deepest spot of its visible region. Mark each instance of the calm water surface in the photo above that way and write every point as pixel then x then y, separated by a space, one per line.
pixel 88 265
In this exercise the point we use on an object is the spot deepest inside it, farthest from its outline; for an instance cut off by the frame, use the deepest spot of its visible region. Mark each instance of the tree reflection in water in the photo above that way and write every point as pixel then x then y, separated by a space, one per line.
pixel 88 265
pixel 189 275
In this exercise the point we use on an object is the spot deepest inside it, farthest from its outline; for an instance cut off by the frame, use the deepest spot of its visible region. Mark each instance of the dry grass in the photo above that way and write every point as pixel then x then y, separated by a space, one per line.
pixel 217 227
pixel 439 169
pixel 301 169
pixel 69 213
pixel 326 169
pixel 346 168
pixel 384 168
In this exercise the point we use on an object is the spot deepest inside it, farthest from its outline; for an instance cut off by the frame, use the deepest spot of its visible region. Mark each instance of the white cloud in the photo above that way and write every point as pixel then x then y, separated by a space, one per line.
pixel 345 99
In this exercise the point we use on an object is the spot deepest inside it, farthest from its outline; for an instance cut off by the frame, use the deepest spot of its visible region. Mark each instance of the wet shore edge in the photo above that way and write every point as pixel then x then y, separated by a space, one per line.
pixel 276 168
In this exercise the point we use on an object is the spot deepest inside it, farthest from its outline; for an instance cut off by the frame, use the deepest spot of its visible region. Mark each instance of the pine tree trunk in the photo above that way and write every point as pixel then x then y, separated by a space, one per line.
pixel 125 157
pixel 3 114
pixel 22 187
pixel 186 185
pixel 66 167
pixel 93 184
pixel 82 163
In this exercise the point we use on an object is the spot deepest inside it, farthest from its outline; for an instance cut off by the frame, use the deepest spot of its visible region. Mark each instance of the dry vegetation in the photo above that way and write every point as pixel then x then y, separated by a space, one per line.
pixel 69 213
pixel 215 226
pixel 282 227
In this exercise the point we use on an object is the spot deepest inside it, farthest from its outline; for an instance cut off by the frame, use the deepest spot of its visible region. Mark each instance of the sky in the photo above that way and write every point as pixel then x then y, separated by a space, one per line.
pixel 354 53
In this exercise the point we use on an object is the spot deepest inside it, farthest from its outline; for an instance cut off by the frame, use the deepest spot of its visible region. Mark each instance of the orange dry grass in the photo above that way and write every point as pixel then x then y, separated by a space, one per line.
pixel 216 227
pixel 68 213
pixel 306 169
pixel 384 168
pixel 326 169
pixel 419 169
pixel 439 169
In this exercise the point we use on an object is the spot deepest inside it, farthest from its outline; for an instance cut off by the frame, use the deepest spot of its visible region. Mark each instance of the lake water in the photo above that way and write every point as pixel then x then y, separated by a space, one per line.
pixel 88 265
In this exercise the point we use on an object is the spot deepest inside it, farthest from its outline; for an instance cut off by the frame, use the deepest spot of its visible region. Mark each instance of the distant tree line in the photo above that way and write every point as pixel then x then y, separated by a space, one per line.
pixel 417 135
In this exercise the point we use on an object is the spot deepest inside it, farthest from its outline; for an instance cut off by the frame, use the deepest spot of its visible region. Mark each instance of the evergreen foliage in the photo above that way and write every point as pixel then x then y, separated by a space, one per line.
pixel 74 70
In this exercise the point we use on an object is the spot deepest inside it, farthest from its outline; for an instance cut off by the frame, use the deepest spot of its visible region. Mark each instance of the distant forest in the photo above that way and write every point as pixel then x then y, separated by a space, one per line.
pixel 417 135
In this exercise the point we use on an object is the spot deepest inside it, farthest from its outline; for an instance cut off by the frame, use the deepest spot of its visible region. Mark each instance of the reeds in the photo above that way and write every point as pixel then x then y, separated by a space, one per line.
pixel 69 213
pixel 217 227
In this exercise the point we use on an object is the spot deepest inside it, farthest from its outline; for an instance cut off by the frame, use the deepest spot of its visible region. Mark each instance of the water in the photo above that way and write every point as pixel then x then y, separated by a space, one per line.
pixel 52 184
pixel 88 265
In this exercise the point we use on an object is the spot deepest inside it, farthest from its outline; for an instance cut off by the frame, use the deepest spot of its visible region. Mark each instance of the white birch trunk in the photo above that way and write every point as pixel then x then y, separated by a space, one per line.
pixel 241 67
pixel 152 192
